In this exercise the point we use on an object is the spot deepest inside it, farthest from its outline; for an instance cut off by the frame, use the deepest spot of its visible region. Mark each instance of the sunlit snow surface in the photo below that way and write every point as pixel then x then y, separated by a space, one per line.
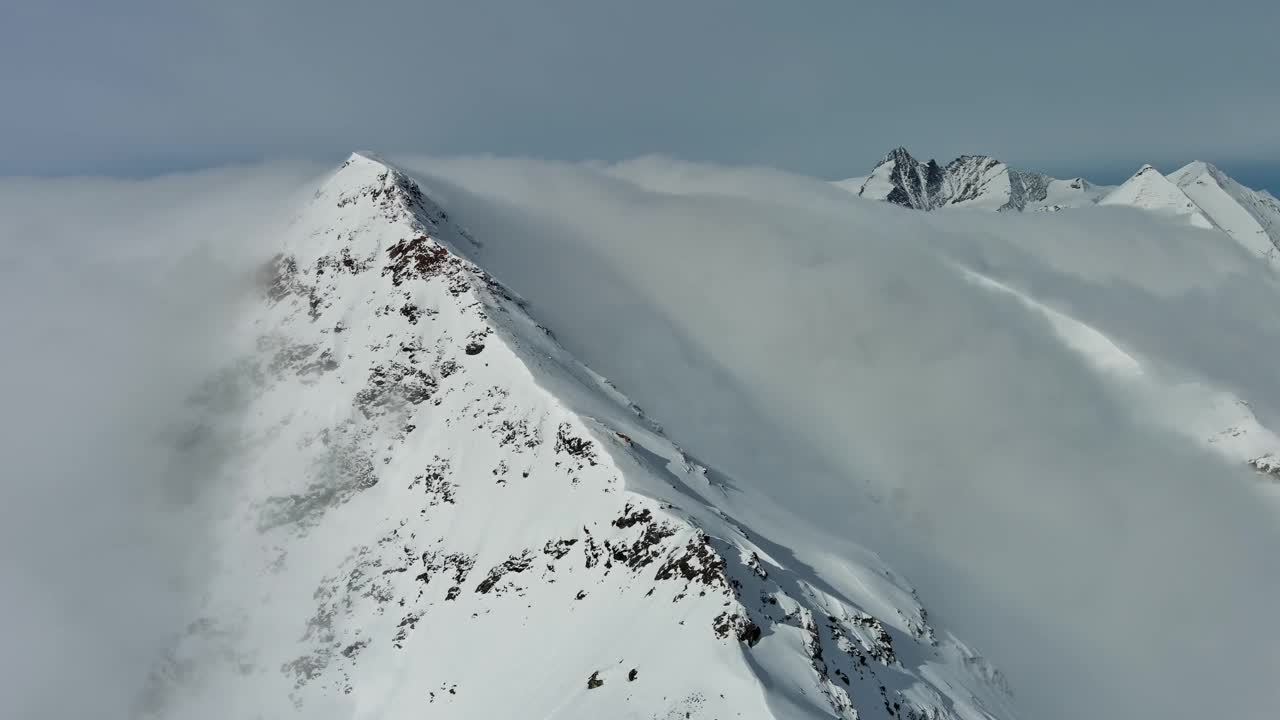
pixel 438 501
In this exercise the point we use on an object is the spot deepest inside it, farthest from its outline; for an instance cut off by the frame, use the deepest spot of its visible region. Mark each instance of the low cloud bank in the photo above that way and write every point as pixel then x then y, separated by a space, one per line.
pixel 112 294
pixel 823 352
pixel 826 353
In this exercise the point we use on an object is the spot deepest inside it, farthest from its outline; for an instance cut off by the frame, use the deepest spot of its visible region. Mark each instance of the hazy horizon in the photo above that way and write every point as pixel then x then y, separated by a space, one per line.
pixel 140 88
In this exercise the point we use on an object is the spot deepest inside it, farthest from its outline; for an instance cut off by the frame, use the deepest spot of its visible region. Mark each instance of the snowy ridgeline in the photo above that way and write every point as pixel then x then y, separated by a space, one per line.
pixel 889 442
pixel 442 512
pixel 1200 193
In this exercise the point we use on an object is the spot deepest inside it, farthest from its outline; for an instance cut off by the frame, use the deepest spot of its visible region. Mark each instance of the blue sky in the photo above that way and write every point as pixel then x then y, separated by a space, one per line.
pixel 823 87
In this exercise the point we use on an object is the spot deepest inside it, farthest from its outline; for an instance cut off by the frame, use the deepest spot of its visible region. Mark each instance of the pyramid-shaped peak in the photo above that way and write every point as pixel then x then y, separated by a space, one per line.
pixel 366 192
pixel 1149 190
pixel 365 156
pixel 364 173
pixel 899 155
pixel 1198 166
pixel 364 164
pixel 1146 182
pixel 1197 170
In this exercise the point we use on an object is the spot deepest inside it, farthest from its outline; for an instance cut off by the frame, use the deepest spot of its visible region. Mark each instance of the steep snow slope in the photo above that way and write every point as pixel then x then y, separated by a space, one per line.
pixel 440 512
pixel 1149 190
pixel 1251 217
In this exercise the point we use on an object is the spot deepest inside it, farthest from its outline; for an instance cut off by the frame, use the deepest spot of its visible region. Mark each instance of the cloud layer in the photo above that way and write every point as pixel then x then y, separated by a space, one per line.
pixel 821 351
pixel 112 294
pixel 825 353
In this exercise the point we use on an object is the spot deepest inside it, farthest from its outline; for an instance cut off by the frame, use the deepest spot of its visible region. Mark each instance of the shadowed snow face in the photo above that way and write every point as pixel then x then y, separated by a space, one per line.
pixel 823 350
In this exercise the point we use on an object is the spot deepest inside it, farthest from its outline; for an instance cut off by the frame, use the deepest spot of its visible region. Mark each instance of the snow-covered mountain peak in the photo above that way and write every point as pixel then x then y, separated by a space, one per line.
pixel 1148 189
pixel 984 182
pixel 436 498
pixel 363 161
pixel 897 155
pixel 1199 193
pixel 354 206
pixel 1196 168
pixel 1252 217
pixel 902 180
pixel 363 175
pixel 364 172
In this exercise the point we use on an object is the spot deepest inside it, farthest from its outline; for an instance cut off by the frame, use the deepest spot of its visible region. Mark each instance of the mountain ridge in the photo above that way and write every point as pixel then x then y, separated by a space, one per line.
pixel 1198 193
pixel 978 181
pixel 1251 216
pixel 467 485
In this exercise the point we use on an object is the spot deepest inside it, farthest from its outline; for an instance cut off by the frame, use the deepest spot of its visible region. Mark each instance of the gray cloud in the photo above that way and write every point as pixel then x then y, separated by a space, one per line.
pixel 1090 87
pixel 112 294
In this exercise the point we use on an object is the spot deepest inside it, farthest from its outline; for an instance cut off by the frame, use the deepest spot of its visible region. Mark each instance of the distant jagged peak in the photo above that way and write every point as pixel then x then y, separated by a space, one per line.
pixel 979 181
pixel 979 161
pixel 902 180
pixel 898 155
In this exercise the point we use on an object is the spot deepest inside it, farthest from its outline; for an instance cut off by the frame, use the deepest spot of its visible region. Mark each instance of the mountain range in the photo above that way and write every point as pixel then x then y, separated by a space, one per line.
pixel 1198 192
